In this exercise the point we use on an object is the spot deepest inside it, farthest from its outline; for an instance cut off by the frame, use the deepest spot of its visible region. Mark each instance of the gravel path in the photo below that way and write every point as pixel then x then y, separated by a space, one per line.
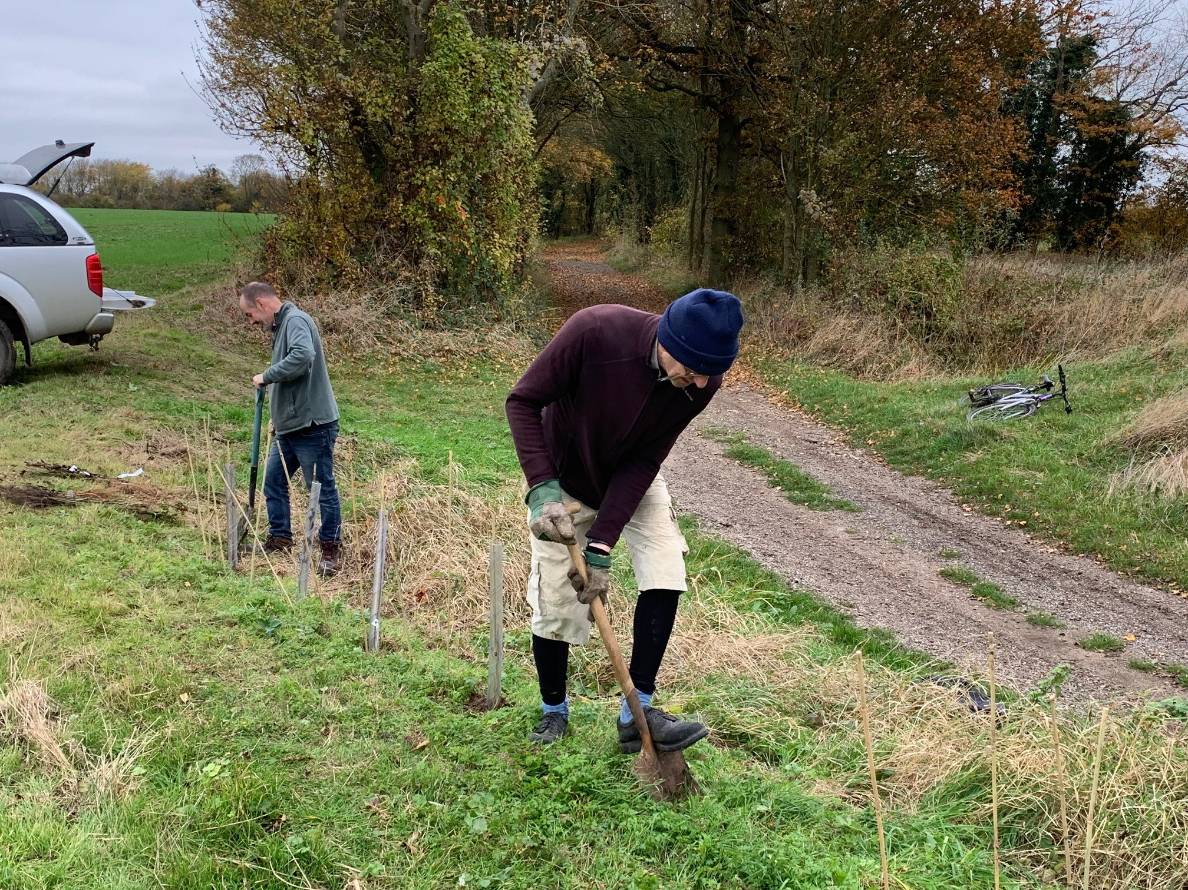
pixel 882 565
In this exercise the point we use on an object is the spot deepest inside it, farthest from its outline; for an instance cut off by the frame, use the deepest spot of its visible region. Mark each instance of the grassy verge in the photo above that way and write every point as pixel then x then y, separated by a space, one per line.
pixel 1049 473
pixel 168 723
pixel 208 730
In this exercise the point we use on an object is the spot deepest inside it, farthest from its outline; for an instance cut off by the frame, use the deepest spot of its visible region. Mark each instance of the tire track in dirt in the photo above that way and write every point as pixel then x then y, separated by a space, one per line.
pixel 881 565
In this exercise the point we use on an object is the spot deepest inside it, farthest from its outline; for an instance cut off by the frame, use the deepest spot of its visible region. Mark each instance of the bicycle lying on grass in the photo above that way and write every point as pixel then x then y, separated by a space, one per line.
pixel 1011 401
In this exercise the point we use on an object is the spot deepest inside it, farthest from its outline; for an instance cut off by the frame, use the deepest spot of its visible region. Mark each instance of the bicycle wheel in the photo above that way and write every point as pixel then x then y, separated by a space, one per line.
pixel 1007 409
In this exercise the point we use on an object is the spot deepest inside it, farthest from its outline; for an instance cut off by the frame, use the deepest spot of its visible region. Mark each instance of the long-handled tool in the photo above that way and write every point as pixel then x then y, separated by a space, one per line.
pixel 666 773
pixel 245 521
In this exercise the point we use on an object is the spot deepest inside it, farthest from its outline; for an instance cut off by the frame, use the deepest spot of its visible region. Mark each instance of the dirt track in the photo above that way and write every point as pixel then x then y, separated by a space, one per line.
pixel 881 565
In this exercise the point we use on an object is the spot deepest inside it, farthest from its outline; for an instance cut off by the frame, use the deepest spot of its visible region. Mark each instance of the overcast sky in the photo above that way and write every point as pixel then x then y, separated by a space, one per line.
pixel 109 71
pixel 114 72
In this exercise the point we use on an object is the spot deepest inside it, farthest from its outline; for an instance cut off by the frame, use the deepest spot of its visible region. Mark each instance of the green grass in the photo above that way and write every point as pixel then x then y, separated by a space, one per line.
pixel 1141 664
pixel 1043 619
pixel 950 553
pixel 278 754
pixel 986 591
pixel 798 486
pixel 1101 642
pixel 1049 472
pixel 994 595
pixel 960 575
pixel 1178 673
pixel 158 251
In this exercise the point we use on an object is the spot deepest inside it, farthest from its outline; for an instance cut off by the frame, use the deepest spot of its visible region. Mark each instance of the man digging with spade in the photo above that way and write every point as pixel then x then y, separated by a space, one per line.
pixel 593 418
pixel 304 416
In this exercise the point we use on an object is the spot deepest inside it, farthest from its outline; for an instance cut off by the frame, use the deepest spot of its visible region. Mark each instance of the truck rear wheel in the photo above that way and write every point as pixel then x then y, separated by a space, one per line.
pixel 7 354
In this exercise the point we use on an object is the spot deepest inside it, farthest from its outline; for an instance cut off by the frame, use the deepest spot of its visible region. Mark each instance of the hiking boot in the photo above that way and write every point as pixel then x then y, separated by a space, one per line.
pixel 550 729
pixel 277 544
pixel 329 564
pixel 669 733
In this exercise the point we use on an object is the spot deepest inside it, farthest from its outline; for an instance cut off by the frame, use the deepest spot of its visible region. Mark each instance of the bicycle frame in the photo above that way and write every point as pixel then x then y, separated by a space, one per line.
pixel 1022 402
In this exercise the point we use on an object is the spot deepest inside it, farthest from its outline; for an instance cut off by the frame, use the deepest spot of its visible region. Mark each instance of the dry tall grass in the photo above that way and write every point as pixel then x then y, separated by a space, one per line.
pixel 373 323
pixel 32 722
pixel 1158 436
pixel 1164 474
pixel 904 313
pixel 29 719
pixel 1161 424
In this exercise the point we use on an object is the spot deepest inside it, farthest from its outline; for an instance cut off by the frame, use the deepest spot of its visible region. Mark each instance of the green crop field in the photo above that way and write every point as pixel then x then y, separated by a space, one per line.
pixel 159 251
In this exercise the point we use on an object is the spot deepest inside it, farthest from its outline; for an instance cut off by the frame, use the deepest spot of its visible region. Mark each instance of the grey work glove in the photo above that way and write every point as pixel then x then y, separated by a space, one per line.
pixel 548 519
pixel 598 577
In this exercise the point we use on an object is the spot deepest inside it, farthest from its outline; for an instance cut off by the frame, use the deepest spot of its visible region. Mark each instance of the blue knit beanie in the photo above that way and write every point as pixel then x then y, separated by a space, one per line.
pixel 700 330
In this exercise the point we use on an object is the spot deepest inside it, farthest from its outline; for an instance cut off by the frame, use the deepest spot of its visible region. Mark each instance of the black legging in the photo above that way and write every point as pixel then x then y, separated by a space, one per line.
pixel 655 612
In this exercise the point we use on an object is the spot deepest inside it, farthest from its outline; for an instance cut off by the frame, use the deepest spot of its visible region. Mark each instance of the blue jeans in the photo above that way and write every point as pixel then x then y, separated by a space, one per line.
pixel 311 449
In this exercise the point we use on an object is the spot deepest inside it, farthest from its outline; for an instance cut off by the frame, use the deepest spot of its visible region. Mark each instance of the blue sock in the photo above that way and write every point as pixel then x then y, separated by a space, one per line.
pixel 645 699
pixel 562 709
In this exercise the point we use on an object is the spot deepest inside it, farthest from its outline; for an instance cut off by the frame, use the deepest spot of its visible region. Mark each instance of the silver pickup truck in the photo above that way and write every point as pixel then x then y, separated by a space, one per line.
pixel 51 278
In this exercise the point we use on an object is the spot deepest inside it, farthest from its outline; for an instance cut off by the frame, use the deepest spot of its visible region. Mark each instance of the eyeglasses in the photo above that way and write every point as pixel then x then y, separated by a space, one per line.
pixel 683 374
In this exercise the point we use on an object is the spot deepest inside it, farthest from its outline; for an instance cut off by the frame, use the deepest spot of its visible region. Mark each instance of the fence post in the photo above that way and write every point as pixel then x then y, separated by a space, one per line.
pixel 377 581
pixel 306 558
pixel 495 647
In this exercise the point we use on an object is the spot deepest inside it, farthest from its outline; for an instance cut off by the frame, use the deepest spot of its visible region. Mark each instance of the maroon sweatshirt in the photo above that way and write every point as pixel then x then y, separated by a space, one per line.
pixel 591 412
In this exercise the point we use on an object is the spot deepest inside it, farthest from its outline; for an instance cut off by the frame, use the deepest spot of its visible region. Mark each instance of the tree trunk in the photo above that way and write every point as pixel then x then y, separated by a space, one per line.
pixel 787 249
pixel 702 210
pixel 591 204
pixel 723 222
pixel 416 12
pixel 693 252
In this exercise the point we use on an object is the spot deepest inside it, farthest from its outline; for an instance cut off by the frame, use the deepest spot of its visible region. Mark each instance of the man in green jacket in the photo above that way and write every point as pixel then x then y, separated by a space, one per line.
pixel 304 418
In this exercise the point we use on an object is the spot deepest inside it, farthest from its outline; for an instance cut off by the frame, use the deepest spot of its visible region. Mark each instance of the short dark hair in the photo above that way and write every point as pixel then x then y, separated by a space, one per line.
pixel 253 290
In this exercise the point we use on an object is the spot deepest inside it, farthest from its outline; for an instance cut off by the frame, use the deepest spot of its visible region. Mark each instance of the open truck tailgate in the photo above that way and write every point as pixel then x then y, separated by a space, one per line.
pixel 125 300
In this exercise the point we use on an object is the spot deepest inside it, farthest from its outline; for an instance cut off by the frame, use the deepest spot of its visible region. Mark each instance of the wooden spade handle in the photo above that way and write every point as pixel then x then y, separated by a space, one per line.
pixel 622 675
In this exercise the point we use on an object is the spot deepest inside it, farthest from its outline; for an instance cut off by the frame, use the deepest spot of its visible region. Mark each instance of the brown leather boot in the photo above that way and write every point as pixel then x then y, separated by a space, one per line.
pixel 329 564
pixel 278 545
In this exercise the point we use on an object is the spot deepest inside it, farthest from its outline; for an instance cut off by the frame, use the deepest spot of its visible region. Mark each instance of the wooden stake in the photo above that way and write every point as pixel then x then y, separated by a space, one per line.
pixel 450 484
pixel 1062 782
pixel 232 516
pixel 377 581
pixel 994 764
pixel 870 766
pixel 306 558
pixel 1101 731
pixel 495 645
pixel 280 452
